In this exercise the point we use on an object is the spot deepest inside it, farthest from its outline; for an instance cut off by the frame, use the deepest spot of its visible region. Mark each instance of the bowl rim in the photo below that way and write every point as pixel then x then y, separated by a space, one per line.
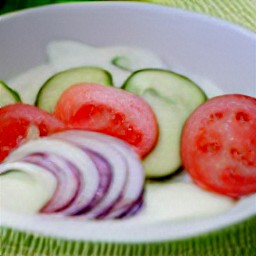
pixel 137 5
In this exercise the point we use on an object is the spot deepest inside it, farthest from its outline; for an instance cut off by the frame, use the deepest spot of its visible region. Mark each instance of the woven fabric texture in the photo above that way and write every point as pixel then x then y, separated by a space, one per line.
pixel 237 240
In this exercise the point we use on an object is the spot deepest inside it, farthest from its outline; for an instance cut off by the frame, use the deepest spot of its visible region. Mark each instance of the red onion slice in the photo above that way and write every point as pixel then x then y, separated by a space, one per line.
pixel 118 165
pixel 68 179
pixel 98 176
pixel 132 209
pixel 90 179
pixel 105 173
pixel 135 181
pixel 134 186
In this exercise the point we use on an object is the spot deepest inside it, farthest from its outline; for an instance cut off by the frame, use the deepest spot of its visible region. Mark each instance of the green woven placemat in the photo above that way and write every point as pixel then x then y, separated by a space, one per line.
pixel 241 12
pixel 237 240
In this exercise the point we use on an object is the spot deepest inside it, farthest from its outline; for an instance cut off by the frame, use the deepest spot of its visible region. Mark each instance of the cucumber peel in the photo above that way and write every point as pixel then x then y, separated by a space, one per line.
pixel 52 89
pixel 167 84
pixel 122 62
pixel 8 95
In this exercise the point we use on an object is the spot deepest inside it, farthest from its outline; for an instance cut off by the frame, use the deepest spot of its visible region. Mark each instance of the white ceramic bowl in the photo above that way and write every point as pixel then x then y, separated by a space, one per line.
pixel 206 47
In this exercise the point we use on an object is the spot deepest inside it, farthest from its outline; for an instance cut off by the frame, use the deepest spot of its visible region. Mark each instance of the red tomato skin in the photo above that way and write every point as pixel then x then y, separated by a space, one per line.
pixel 16 119
pixel 112 111
pixel 218 145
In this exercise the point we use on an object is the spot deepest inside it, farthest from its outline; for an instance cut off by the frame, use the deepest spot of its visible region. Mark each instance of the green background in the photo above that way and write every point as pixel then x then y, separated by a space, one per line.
pixel 237 240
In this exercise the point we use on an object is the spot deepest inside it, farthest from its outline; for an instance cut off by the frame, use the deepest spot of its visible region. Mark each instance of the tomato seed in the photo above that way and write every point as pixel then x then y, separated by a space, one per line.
pixel 246 158
pixel 215 116
pixel 210 147
pixel 242 117
pixel 118 118
pixel 231 175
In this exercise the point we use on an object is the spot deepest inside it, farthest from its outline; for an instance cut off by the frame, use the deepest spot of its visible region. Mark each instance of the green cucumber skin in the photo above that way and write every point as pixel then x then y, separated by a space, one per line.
pixel 171 113
pixel 45 90
pixel 121 62
pixel 14 94
pixel 157 88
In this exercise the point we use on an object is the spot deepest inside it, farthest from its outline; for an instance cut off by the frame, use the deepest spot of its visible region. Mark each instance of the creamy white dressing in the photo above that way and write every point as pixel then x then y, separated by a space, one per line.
pixel 66 54
pixel 177 199
pixel 180 200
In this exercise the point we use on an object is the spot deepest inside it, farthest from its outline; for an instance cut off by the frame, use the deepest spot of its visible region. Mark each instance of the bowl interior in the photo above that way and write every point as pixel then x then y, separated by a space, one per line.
pixel 200 45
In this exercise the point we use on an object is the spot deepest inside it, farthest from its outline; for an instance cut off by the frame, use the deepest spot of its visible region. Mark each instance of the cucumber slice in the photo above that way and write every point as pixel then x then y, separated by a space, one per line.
pixel 8 95
pixel 165 157
pixel 168 85
pixel 52 89
pixel 173 98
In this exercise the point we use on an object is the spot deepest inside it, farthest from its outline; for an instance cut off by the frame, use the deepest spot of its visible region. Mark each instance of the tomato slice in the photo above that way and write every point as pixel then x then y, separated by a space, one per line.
pixel 18 120
pixel 111 111
pixel 218 146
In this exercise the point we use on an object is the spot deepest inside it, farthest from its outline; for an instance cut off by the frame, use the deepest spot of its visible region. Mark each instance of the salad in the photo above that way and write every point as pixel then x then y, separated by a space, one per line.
pixel 110 133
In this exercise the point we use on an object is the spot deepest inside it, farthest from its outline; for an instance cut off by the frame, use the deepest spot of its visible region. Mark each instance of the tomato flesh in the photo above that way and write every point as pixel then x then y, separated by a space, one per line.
pixel 111 111
pixel 17 119
pixel 108 122
pixel 218 146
